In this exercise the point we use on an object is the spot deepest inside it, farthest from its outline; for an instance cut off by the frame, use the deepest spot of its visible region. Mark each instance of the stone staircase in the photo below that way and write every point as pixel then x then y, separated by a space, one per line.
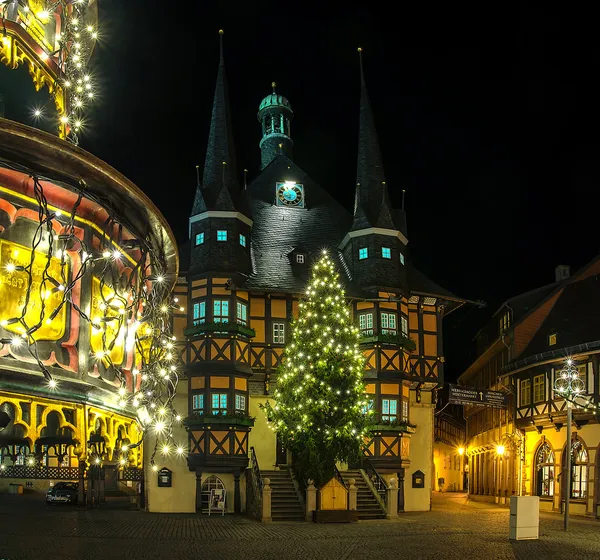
pixel 367 504
pixel 285 504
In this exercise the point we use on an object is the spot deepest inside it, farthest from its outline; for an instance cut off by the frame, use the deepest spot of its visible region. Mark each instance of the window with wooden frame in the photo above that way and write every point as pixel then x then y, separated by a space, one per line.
pixel 221 311
pixel 388 323
pixel 242 313
pixel 552 339
pixel 219 403
pixel 199 312
pixel 198 403
pixel 222 235
pixel 504 322
pixel 199 238
pixel 539 388
pixel 363 253
pixel 525 399
pixel 404 325
pixel 300 259
pixel 389 410
pixel 365 324
pixel 278 333
pixel 240 403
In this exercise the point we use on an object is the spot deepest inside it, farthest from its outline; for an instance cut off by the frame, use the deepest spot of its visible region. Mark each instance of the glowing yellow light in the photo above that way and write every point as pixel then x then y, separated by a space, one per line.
pixel 10 267
pixel 52 384
pixel 461 450
pixel 180 450
pixel 500 449
pixel 106 254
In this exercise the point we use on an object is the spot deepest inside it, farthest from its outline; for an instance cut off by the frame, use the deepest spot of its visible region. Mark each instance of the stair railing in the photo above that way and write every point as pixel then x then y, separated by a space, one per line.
pixel 340 479
pixel 255 501
pixel 376 480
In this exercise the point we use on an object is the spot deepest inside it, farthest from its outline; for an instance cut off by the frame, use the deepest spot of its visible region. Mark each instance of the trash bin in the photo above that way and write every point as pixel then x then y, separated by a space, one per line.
pixel 524 517
pixel 15 488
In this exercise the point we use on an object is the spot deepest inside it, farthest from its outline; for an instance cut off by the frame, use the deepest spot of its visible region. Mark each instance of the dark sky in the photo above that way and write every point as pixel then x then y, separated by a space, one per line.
pixel 488 117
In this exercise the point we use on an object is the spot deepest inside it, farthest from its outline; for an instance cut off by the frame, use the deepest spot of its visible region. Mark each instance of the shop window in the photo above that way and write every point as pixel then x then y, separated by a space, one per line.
pixel 545 470
pixel 579 470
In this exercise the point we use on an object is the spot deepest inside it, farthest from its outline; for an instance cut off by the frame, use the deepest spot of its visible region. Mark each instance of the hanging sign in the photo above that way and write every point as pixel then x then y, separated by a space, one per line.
pixel 459 394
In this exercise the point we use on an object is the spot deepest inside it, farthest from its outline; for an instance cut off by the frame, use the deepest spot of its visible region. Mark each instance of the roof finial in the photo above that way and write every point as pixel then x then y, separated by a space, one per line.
pixel 273 85
pixel 403 193
pixel 245 179
pixel 221 58
pixel 197 176
pixel 362 76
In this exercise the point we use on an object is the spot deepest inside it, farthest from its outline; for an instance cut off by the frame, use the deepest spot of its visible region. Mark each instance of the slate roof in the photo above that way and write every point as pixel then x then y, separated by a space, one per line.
pixel 575 319
pixel 220 188
pixel 279 233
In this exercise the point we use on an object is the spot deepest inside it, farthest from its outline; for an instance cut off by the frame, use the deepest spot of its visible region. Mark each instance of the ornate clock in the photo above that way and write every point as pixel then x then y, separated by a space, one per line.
pixel 290 194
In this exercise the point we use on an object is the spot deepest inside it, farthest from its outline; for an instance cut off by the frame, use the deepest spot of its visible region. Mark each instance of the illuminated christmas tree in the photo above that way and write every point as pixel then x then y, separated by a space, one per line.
pixel 319 404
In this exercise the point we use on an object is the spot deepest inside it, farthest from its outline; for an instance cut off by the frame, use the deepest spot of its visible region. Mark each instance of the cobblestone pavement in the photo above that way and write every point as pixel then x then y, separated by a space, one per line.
pixel 456 528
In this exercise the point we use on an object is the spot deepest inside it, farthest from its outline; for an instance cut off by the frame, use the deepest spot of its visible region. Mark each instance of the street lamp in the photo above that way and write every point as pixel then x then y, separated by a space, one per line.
pixel 568 385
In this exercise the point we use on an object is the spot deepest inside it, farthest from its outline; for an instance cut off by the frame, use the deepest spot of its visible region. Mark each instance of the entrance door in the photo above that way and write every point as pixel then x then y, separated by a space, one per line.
pixel 281 453
pixel 110 478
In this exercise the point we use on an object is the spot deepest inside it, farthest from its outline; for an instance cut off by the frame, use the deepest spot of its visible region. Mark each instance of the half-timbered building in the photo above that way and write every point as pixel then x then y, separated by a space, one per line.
pixel 244 270
pixel 522 450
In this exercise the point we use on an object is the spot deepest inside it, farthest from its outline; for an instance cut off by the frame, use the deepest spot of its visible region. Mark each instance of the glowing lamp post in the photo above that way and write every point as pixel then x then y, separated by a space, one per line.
pixel 568 385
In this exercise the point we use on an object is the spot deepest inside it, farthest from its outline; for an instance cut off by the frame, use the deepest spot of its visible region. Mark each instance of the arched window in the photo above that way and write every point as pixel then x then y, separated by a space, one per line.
pixel 579 470
pixel 211 483
pixel 579 458
pixel 544 462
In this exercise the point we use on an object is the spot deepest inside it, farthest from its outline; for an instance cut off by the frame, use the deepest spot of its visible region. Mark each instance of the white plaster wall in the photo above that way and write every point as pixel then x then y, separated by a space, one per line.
pixel 262 438
pixel 421 454
pixel 453 477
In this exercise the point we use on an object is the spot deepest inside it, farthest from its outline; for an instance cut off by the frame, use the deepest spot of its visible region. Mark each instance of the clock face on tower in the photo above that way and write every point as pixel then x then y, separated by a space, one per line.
pixel 289 193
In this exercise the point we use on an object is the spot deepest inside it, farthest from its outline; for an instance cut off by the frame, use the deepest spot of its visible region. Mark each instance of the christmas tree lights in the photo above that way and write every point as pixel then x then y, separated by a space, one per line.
pixel 320 409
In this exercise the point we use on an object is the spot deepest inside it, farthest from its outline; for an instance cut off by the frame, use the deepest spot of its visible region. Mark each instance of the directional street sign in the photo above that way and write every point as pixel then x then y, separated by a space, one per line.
pixel 469 395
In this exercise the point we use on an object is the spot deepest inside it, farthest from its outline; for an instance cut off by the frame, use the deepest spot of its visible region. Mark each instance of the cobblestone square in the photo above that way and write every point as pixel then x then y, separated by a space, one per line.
pixel 456 528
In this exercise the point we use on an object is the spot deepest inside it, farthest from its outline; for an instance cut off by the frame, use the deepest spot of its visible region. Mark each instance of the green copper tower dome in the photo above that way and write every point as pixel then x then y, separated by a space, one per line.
pixel 275 115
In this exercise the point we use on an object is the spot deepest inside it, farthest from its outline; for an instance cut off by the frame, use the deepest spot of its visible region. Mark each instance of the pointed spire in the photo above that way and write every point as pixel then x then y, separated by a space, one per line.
pixel 220 169
pixel 374 201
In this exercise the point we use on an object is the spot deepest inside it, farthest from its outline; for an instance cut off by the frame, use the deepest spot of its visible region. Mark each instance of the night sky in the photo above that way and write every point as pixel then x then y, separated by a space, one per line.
pixel 489 119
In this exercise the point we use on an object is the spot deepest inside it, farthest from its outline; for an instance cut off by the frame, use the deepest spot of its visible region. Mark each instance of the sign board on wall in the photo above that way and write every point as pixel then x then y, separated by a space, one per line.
pixel 165 478
pixel 459 394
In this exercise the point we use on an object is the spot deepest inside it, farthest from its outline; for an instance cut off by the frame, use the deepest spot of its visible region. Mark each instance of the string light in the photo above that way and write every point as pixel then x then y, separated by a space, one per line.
pixel 320 400
pixel 129 323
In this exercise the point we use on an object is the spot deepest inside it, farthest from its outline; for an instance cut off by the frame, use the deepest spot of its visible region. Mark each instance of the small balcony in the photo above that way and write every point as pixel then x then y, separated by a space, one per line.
pixel 388 338
pixel 216 329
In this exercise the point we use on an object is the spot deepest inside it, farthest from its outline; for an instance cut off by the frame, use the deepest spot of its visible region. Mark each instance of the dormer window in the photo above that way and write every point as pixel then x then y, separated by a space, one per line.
pixel 300 259
pixel 504 322
pixel 552 339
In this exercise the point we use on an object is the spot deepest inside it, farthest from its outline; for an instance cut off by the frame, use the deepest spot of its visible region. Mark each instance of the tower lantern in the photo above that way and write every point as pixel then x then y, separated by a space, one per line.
pixel 275 115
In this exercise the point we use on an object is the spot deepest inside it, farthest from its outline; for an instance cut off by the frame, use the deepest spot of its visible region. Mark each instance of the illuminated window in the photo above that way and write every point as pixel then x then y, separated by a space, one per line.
pixel 389 410
pixel 404 325
pixel 363 253
pixel 388 323
pixel 219 403
pixel 525 392
pixel 386 252
pixel 405 410
pixel 539 382
pixel 199 238
pixel 240 403
pixel 278 333
pixel 401 258
pixel 579 476
pixel 365 323
pixel 552 339
pixel 222 235
pixel 242 313
pixel 198 403
pixel 300 259
pixel 504 322
pixel 544 461
pixel 221 311
pixel 366 407
pixel 199 312
pixel 242 240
